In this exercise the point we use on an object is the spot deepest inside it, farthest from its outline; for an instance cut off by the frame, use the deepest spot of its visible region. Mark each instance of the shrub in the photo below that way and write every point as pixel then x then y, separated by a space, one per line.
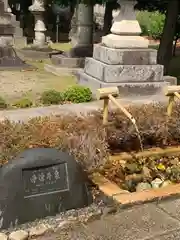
pixel 156 129
pixel 23 103
pixel 51 97
pixel 82 137
pixel 86 138
pixel 3 103
pixel 78 94
pixel 151 23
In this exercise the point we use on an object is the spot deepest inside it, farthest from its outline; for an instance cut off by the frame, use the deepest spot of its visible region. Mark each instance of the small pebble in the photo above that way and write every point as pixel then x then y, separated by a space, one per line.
pixel 166 183
pixel 143 186
pixel 39 230
pixel 18 235
pixel 156 183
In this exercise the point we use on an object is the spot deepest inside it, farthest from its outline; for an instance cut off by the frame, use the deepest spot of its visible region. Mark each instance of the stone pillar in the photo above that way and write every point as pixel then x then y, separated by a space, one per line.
pixel 37 9
pixel 83 38
pixel 125 31
pixel 73 31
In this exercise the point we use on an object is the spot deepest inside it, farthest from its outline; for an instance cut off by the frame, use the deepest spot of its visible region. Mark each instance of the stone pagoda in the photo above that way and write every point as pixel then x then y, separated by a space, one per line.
pixel 123 59
pixel 8 56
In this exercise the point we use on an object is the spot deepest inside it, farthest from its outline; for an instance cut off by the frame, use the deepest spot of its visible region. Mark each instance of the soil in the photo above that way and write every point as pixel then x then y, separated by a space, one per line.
pixel 17 84
pixel 130 174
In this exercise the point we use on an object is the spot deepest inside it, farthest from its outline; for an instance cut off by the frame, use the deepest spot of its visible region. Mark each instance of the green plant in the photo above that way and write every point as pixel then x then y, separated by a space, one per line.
pixel 78 94
pixel 151 23
pixel 52 97
pixel 3 103
pixel 23 103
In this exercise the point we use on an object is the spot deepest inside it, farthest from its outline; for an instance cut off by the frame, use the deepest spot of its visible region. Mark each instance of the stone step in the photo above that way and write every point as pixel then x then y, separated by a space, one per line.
pixel 16 24
pixel 20 42
pixel 6 18
pixel 6 29
pixel 18 32
pixel 66 62
pixel 123 73
pixel 124 56
pixel 60 71
pixel 125 88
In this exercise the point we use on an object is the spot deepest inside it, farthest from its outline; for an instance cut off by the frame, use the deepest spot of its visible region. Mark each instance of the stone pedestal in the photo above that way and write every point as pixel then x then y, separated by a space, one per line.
pixel 123 59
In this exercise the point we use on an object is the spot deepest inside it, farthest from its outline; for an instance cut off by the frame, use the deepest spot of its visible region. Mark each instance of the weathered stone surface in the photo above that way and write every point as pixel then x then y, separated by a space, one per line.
pixel 117 41
pixel 141 222
pixel 143 186
pixel 172 80
pixel 59 71
pixel 63 61
pixel 173 211
pixel 124 56
pixel 125 89
pixel 123 73
pixel 18 235
pixel 39 230
pixel 175 235
pixel 44 183
pixel 3 236
pixel 156 183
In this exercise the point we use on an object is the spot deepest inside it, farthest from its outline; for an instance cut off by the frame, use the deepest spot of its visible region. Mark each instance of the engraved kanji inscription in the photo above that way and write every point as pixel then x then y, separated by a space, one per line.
pixel 45 180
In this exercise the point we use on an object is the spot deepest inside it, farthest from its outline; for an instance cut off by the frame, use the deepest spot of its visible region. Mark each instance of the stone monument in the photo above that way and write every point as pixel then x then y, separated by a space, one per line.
pixel 81 39
pixel 8 56
pixel 37 9
pixel 123 59
pixel 40 48
pixel 40 182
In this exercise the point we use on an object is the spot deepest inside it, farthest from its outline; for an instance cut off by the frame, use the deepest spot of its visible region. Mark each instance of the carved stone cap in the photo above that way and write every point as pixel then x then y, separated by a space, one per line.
pixel 125 23
pixel 37 6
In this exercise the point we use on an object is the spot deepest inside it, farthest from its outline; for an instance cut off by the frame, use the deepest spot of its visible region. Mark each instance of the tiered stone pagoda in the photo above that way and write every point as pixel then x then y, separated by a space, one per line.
pixel 123 59
pixel 8 56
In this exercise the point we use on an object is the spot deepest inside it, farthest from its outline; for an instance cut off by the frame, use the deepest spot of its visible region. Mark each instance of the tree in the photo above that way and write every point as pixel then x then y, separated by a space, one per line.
pixel 166 44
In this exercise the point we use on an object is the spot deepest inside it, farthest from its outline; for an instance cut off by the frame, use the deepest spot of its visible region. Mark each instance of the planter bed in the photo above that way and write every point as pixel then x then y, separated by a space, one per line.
pixel 91 143
pixel 150 169
pixel 131 178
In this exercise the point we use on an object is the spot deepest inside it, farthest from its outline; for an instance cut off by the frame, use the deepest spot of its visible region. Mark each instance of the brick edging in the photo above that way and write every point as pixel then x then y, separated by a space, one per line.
pixel 126 198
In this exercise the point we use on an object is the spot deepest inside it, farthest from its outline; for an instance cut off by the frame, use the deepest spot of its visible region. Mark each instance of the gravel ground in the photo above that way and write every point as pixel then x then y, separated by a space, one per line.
pixel 15 84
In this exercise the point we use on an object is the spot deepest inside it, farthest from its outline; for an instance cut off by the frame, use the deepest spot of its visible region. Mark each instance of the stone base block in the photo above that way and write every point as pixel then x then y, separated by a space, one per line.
pixel 123 73
pixel 36 54
pixel 59 71
pixel 124 56
pixel 125 89
pixel 119 41
pixel 63 61
pixel 170 79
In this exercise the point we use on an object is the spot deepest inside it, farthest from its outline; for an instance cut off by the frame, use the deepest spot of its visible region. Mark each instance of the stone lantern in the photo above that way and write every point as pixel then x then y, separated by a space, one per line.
pixel 37 9
pixel 125 31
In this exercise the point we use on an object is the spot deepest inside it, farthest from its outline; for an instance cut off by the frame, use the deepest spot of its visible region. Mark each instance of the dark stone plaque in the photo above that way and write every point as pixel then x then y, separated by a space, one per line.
pixel 45 180
pixel 38 183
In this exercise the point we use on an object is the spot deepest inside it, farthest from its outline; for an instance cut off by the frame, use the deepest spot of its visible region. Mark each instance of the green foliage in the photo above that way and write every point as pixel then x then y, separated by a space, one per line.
pixel 78 94
pixel 151 23
pixel 52 97
pixel 3 103
pixel 23 103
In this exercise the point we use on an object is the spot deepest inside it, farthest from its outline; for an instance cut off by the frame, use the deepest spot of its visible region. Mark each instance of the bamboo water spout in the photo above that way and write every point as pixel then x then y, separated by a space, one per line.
pixel 110 94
